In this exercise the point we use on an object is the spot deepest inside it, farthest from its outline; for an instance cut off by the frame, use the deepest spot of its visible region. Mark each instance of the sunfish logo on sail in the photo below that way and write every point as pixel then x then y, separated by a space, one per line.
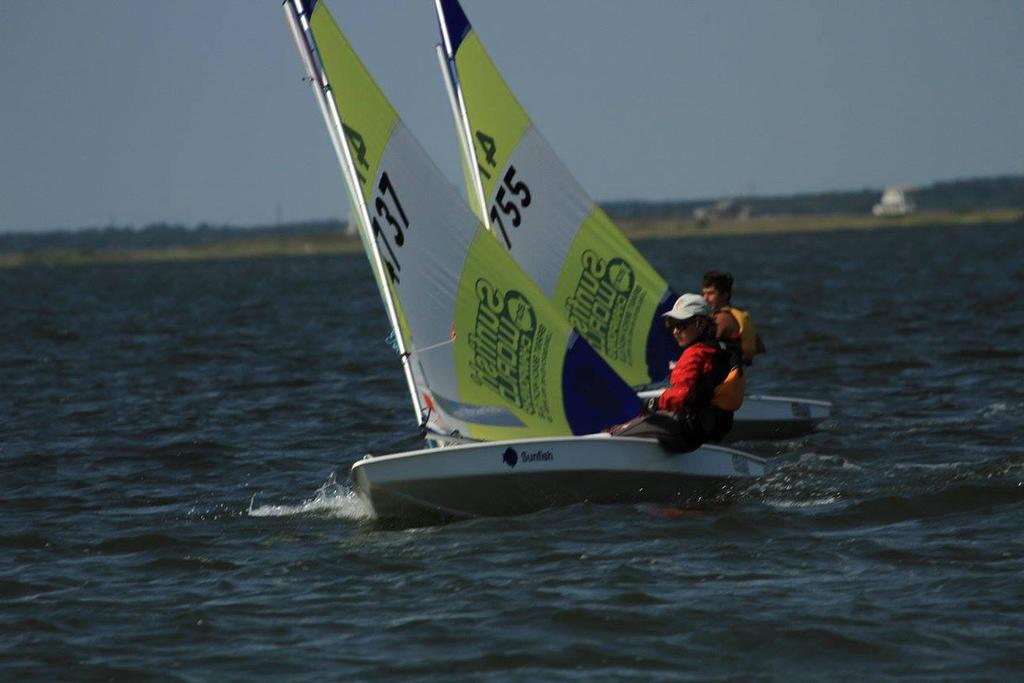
pixel 605 304
pixel 510 349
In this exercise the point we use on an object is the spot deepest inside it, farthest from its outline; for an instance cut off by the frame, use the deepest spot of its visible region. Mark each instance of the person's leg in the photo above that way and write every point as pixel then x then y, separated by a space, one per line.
pixel 674 433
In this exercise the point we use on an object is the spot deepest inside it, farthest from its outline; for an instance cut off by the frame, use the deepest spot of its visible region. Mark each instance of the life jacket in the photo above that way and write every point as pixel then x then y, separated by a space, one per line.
pixel 748 340
pixel 720 393
pixel 727 382
pixel 723 387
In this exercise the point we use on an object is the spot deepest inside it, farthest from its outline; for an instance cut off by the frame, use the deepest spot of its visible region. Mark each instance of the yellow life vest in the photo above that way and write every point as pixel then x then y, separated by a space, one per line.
pixel 729 394
pixel 748 332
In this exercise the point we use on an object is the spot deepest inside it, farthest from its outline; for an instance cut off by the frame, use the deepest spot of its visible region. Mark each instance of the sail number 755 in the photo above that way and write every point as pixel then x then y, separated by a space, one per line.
pixel 512 197
pixel 388 208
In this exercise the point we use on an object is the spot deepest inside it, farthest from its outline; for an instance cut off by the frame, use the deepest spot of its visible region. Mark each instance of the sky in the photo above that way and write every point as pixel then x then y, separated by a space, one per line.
pixel 181 111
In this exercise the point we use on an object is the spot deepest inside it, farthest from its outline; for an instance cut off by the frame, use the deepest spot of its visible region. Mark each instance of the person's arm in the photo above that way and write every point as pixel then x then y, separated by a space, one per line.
pixel 683 382
pixel 726 326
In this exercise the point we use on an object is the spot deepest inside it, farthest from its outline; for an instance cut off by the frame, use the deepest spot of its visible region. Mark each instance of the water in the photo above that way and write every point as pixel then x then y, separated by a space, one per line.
pixel 174 503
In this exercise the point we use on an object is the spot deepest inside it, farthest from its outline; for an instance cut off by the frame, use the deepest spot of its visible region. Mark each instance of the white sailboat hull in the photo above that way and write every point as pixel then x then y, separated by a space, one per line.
pixel 516 477
pixel 777 417
pixel 771 417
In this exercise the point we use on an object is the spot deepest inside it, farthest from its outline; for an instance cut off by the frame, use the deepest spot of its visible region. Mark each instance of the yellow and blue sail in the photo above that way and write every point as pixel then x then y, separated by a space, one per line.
pixel 539 213
pixel 489 355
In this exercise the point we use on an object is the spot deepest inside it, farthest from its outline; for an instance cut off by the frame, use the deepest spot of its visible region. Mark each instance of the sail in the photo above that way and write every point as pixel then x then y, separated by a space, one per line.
pixel 488 355
pixel 544 218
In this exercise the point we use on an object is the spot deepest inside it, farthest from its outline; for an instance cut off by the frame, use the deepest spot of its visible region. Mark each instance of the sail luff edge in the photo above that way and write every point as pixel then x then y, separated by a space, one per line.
pixel 463 131
pixel 461 114
pixel 306 44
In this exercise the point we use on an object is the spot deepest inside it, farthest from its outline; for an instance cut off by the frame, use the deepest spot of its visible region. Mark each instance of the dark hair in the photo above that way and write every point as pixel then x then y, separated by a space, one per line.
pixel 719 280
pixel 707 329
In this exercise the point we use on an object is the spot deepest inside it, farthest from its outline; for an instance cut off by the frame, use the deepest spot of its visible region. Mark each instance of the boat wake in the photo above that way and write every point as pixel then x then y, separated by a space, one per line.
pixel 331 499
pixel 832 482
pixel 812 480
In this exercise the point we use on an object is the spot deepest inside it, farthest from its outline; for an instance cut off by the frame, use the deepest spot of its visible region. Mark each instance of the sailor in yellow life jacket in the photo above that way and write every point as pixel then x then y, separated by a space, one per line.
pixel 734 325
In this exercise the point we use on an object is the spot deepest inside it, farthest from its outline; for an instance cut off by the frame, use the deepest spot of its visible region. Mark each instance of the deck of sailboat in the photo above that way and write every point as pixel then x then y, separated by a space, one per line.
pixel 763 417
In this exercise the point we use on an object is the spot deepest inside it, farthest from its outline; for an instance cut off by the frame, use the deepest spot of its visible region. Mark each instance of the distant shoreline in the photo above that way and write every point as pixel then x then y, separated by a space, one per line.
pixel 635 229
pixel 658 228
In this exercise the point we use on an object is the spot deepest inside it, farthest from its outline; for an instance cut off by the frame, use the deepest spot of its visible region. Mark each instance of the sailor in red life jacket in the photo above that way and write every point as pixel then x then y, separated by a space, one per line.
pixel 734 325
pixel 705 387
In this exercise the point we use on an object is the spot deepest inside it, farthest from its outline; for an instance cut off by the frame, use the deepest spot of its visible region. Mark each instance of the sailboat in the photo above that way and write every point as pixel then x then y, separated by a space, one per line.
pixel 565 242
pixel 510 398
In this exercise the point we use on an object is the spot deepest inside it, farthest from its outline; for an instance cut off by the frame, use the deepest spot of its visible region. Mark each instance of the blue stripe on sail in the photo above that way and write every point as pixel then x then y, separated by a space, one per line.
pixel 456 23
pixel 595 397
pixel 482 415
pixel 662 348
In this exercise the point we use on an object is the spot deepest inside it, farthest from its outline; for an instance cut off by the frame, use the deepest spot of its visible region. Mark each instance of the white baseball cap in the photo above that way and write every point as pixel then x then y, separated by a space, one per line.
pixel 687 306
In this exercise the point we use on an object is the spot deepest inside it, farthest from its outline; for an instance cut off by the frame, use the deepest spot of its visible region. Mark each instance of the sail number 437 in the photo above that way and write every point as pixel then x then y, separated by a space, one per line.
pixel 385 205
pixel 389 209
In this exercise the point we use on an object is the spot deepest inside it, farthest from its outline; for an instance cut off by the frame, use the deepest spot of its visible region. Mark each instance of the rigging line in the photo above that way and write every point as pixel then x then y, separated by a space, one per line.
pixel 421 349
pixel 410 350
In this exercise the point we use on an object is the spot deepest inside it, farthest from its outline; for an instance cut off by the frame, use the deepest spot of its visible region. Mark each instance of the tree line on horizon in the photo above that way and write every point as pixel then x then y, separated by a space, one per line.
pixel 975 194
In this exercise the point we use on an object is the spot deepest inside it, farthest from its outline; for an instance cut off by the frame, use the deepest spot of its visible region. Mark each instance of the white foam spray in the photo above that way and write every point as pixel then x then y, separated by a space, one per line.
pixel 331 499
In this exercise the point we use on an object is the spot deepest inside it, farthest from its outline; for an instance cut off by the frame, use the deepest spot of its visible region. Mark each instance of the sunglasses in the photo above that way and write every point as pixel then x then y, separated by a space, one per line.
pixel 671 323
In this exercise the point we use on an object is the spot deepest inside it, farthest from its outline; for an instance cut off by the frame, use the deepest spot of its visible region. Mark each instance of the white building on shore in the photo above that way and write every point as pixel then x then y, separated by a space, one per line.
pixel 894 202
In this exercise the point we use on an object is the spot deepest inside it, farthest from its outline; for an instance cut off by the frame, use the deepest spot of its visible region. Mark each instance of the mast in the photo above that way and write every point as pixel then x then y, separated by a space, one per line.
pixel 298 21
pixel 455 98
